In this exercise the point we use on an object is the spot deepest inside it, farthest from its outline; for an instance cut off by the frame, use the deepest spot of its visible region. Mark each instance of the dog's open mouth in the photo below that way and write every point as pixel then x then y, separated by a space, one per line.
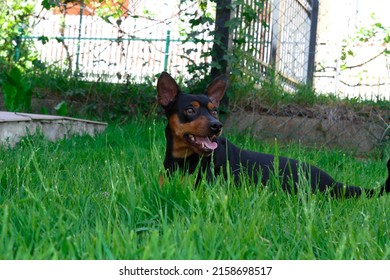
pixel 205 144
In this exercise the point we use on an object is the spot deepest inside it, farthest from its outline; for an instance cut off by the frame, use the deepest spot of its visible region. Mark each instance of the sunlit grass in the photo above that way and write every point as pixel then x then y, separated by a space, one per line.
pixel 100 198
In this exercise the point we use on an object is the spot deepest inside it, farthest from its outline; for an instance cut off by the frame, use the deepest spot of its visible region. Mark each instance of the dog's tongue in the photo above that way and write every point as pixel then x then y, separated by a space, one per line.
pixel 205 142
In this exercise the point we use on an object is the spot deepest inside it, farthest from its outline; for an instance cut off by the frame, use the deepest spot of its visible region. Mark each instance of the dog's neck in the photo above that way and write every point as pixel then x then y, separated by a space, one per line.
pixel 188 163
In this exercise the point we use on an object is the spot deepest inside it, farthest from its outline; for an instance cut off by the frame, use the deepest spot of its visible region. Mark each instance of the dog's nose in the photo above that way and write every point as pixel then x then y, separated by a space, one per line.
pixel 216 127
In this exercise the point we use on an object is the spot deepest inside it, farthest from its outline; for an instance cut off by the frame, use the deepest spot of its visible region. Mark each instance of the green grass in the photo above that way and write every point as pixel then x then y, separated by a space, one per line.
pixel 100 198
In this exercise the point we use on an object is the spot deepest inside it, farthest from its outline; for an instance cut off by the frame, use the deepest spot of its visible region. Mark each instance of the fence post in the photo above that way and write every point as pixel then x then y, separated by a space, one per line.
pixel 275 37
pixel 222 38
pixel 79 38
pixel 166 54
pixel 18 41
pixel 313 41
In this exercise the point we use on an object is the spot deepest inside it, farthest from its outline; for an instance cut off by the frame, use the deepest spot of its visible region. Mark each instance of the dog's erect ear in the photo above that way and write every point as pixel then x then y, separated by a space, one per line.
pixel 167 89
pixel 216 90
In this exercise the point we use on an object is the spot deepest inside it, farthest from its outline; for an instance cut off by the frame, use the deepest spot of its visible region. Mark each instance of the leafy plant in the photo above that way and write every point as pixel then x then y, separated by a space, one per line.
pixel 17 91
pixel 198 24
pixel 374 32
pixel 62 108
pixel 205 23
pixel 14 23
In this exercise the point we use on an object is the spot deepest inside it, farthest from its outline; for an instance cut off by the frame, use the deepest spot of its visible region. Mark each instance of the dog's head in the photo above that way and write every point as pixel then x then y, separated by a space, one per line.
pixel 192 119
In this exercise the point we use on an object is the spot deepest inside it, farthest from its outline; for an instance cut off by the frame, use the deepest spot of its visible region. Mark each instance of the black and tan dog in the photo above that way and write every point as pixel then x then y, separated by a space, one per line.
pixel 193 141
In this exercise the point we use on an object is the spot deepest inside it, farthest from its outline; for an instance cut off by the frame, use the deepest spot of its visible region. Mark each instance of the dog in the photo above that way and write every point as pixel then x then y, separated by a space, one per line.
pixel 194 142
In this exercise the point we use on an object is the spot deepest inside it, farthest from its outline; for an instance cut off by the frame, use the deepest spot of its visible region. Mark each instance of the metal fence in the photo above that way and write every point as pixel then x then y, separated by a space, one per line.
pixel 280 38
pixel 91 48
pixel 285 36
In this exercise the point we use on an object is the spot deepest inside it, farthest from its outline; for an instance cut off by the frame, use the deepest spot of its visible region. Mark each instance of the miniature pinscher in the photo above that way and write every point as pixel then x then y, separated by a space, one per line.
pixel 194 142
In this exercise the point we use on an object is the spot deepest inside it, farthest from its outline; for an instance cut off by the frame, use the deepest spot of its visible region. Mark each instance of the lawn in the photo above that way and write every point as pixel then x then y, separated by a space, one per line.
pixel 100 198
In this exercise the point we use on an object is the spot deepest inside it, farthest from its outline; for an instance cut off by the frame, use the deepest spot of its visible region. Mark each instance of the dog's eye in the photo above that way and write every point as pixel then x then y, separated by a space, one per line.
pixel 214 113
pixel 190 111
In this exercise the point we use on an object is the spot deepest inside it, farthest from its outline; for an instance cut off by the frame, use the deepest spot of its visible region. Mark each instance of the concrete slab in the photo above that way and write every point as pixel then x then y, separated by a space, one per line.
pixel 39 117
pixel 12 117
pixel 14 126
